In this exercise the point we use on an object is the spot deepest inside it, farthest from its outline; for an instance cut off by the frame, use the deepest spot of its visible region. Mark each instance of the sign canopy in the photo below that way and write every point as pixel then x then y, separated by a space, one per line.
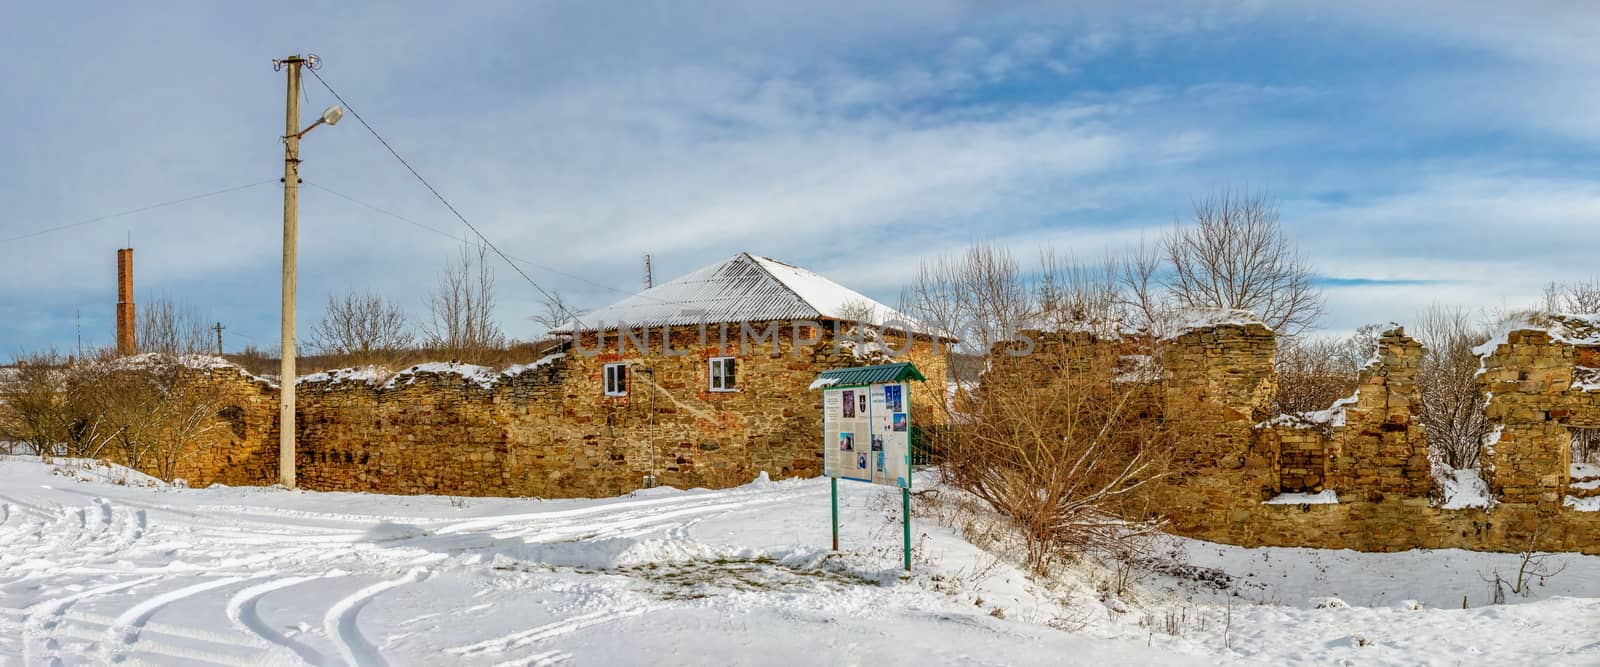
pixel 861 376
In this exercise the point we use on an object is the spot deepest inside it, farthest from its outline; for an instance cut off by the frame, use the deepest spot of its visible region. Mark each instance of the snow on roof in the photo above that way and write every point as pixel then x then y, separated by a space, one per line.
pixel 742 288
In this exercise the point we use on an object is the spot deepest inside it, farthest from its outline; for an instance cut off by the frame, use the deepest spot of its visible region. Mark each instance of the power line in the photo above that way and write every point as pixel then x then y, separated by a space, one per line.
pixel 453 237
pixel 435 191
pixel 132 211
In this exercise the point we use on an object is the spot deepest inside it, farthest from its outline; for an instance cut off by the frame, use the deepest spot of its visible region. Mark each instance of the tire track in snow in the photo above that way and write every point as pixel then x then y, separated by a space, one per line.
pixel 36 629
pixel 627 522
pixel 548 631
pixel 340 621
pixel 242 612
pixel 130 624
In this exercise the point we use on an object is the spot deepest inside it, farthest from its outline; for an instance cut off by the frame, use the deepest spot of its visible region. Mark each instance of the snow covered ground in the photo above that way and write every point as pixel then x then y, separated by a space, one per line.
pixel 100 566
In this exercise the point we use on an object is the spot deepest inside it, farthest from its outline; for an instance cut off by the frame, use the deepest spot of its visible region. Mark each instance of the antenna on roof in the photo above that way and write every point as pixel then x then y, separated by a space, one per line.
pixel 649 273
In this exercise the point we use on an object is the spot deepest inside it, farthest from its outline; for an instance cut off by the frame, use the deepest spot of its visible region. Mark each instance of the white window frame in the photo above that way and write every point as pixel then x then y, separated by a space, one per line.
pixel 614 372
pixel 717 364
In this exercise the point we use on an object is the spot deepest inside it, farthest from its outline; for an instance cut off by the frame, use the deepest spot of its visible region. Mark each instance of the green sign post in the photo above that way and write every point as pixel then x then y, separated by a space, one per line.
pixel 866 425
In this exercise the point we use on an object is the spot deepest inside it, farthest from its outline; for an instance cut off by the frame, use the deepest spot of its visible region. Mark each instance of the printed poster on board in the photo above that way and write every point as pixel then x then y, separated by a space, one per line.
pixel 867 434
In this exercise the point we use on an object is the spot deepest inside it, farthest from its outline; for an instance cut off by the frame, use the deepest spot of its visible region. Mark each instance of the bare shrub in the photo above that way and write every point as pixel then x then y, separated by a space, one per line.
pixel 361 327
pixel 1313 373
pixel 1235 255
pixel 1059 443
pixel 461 321
pixel 1452 403
pixel 167 327
pixel 151 413
pixel 34 410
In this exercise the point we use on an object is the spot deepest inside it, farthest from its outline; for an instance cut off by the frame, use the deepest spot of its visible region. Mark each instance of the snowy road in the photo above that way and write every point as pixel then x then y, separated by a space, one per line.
pixel 96 572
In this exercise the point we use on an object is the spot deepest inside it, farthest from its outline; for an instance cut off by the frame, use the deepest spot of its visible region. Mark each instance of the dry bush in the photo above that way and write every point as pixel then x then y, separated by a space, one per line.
pixel 255 360
pixel 361 328
pixel 1313 373
pixel 461 322
pixel 33 406
pixel 1452 402
pixel 1061 442
pixel 153 410
pixel 1235 254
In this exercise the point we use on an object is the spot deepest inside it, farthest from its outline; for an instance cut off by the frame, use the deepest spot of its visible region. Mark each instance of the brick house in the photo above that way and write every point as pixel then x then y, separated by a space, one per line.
pixel 707 374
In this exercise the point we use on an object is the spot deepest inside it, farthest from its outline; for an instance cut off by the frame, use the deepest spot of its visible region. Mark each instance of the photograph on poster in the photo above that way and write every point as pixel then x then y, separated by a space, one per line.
pixel 849 404
pixel 892 398
pixel 861 461
pixel 861 402
pixel 880 461
pixel 847 442
pixel 877 442
pixel 900 422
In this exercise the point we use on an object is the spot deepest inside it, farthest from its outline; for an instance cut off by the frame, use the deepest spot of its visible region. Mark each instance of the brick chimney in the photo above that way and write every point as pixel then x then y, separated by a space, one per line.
pixel 125 321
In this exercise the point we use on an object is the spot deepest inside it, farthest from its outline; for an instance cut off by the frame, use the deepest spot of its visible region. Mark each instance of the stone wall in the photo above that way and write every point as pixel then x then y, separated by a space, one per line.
pixel 549 430
pixel 1371 451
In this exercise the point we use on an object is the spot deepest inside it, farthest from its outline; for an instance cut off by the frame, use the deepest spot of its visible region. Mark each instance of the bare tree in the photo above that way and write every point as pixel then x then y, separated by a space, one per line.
pixel 1071 296
pixel 1452 403
pixel 461 308
pixel 979 296
pixel 1236 255
pixel 557 312
pixel 860 312
pixel 1144 303
pixel 1582 297
pixel 167 327
pixel 361 327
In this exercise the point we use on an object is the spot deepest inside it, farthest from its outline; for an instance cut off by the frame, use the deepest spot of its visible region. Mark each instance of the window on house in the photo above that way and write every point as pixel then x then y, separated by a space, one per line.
pixel 723 374
pixel 616 379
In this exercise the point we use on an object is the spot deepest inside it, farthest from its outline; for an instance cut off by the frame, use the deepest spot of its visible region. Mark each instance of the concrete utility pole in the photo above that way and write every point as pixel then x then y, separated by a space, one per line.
pixel 219 329
pixel 291 196
pixel 291 200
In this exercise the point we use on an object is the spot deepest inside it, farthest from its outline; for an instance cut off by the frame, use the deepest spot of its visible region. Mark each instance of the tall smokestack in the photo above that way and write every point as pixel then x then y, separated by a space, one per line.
pixel 125 337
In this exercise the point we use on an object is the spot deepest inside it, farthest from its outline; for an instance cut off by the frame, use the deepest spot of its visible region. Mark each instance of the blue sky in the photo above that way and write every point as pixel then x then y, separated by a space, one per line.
pixel 1420 152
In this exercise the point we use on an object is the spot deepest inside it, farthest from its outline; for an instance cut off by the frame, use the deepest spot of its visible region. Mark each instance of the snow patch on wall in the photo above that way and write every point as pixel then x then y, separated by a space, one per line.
pixel 1190 319
pixel 1464 489
pixel 1325 497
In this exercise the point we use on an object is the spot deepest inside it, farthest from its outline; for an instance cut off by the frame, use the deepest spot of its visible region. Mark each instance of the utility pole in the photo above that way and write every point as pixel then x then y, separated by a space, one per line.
pixel 219 329
pixel 291 197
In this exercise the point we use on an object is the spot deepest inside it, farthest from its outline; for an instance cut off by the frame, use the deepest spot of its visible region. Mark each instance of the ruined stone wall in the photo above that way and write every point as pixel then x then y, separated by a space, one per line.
pixel 241 449
pixel 1371 451
pixel 550 430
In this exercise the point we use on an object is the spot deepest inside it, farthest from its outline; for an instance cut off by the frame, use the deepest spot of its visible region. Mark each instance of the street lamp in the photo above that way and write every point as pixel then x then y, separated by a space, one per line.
pixel 291 195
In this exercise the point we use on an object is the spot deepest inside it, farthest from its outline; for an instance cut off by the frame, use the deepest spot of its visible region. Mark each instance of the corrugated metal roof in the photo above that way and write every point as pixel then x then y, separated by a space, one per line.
pixel 864 375
pixel 742 288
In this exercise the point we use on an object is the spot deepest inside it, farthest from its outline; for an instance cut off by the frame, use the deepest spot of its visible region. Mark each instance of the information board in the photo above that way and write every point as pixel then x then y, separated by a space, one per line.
pixel 867 434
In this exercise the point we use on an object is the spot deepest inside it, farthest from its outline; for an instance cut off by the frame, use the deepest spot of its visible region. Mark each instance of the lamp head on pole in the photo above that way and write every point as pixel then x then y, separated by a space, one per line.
pixel 330 116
